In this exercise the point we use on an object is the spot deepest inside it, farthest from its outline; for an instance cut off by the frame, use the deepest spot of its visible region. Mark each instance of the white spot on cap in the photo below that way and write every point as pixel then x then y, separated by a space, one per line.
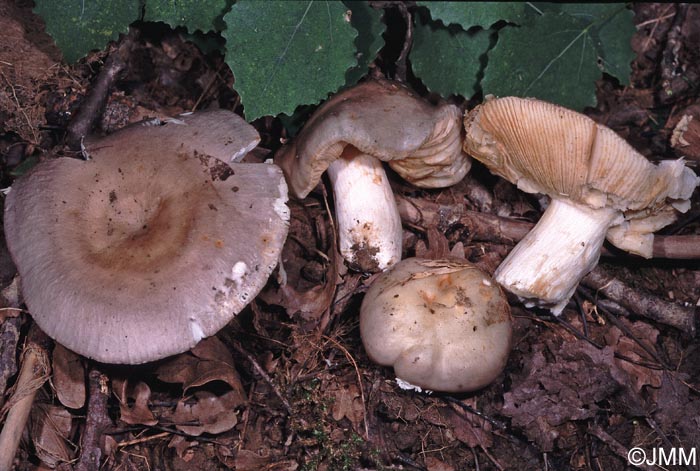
pixel 486 282
pixel 280 204
pixel 197 332
pixel 238 271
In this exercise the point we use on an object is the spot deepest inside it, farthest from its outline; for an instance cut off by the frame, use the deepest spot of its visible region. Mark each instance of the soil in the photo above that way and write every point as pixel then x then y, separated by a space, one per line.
pixel 287 385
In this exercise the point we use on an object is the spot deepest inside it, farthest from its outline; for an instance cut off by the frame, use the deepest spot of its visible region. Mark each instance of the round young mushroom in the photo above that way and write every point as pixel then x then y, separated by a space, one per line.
pixel 350 135
pixel 598 184
pixel 442 324
pixel 153 243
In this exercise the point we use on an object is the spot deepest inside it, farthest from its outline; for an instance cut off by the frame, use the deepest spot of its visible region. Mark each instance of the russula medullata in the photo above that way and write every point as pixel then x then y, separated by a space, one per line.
pixel 442 324
pixel 153 243
pixel 350 135
pixel 599 187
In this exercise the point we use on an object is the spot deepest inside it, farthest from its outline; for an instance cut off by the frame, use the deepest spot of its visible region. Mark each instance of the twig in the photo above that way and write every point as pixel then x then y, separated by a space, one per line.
pixel 136 441
pixel 491 228
pixel 653 354
pixel 96 423
pixel 669 56
pixel 618 448
pixel 643 304
pixel 206 90
pixel 91 108
pixel 239 348
pixel 471 410
pixel 401 67
pixel 34 372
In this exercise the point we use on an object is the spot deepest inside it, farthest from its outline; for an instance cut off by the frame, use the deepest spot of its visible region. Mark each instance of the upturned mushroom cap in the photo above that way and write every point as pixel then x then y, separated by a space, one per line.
pixel 421 142
pixel 442 324
pixel 153 243
pixel 545 148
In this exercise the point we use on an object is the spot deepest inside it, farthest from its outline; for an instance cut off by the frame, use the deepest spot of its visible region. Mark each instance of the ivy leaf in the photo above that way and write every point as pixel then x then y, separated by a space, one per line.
pixel 552 58
pixel 287 53
pixel 193 14
pixel 367 21
pixel 447 62
pixel 78 27
pixel 470 14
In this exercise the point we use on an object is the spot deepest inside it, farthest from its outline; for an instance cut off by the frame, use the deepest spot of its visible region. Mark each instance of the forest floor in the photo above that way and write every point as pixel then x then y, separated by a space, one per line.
pixel 288 385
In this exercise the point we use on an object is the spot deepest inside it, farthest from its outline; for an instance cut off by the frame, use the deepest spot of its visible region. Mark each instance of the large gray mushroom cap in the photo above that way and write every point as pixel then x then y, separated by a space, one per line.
pixel 152 244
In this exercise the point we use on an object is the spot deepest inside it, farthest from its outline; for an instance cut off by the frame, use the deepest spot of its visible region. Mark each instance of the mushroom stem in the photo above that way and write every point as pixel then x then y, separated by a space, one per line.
pixel 369 224
pixel 548 263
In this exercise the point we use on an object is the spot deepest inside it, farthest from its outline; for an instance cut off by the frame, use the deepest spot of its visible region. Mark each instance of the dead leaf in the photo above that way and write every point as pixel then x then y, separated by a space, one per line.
pixel 347 403
pixel 470 429
pixel 68 377
pixel 50 427
pixel 636 375
pixel 181 445
pixel 208 413
pixel 209 361
pixel 307 300
pixel 434 464
pixel 139 412
pixel 548 394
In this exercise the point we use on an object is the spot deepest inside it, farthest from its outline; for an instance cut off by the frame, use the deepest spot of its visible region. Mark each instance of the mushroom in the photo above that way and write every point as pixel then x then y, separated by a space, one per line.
pixel 442 324
pixel 598 184
pixel 350 135
pixel 153 243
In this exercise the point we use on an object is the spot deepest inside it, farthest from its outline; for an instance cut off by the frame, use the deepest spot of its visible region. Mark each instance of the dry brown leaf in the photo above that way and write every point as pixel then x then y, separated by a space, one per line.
pixel 434 464
pixel 209 361
pixel 470 429
pixel 347 403
pixel 247 460
pixel 209 413
pixel 50 427
pixel 138 413
pixel 68 377
pixel 300 297
pixel 559 385
pixel 637 376
pixel 181 445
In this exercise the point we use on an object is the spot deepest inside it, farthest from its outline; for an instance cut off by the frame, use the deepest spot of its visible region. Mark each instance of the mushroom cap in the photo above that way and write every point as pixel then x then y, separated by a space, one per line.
pixel 153 243
pixel 384 119
pixel 545 148
pixel 442 324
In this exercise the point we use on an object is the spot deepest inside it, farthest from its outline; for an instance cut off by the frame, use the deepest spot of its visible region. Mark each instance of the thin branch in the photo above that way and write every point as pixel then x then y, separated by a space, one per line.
pixel 34 372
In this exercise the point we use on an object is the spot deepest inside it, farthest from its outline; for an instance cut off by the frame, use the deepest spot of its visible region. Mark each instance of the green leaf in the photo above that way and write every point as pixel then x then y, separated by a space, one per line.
pixel 367 21
pixel 611 27
pixel 193 14
pixel 470 14
pixel 79 26
pixel 553 58
pixel 448 62
pixel 287 53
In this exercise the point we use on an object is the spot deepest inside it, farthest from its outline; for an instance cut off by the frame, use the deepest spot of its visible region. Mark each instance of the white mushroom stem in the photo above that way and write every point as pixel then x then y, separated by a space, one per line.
pixel 368 221
pixel 548 263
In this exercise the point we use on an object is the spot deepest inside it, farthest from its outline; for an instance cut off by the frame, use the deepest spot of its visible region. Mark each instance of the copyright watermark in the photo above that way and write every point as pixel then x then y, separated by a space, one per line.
pixel 662 457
